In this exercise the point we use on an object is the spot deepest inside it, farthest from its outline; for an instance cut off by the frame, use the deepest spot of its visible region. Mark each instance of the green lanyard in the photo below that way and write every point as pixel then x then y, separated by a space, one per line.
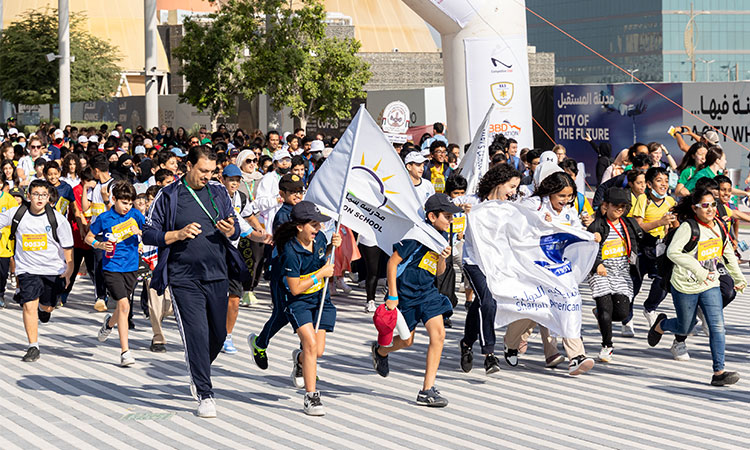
pixel 249 190
pixel 200 203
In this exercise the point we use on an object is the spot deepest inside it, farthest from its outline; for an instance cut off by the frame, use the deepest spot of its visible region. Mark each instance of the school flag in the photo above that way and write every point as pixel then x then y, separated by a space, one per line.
pixel 476 161
pixel 364 183
pixel 533 267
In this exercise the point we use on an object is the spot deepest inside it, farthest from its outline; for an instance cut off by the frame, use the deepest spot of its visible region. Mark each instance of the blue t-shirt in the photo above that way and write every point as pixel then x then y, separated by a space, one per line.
pixel 126 257
pixel 283 216
pixel 297 262
pixel 416 273
pixel 204 257
pixel 64 198
pixel 54 152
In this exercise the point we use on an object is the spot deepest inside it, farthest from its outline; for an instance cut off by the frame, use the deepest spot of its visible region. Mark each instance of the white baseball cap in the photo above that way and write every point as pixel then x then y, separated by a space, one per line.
pixel 2 133
pixel 281 154
pixel 82 139
pixel 415 157
pixel 139 149
pixel 115 133
pixel 58 134
pixel 94 138
pixel 12 131
pixel 317 146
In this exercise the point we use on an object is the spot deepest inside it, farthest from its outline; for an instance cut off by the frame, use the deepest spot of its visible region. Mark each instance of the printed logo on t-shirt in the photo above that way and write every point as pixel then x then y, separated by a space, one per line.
pixel 33 242
pixel 429 262
pixel 124 230
pixel 315 287
pixel 614 248
pixel 710 249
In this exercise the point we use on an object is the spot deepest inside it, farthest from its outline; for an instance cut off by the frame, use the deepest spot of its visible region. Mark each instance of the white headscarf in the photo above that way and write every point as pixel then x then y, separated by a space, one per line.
pixel 547 166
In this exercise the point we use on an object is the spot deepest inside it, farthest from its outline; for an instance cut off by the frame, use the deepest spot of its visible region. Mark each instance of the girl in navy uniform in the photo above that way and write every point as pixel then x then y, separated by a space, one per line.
pixel 302 270
pixel 412 270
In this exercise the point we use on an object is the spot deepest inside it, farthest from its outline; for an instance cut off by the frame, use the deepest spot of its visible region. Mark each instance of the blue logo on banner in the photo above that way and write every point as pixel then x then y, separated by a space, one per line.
pixel 553 247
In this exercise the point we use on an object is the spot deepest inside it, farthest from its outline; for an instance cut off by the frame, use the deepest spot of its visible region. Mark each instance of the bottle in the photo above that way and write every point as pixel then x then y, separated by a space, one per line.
pixel 113 240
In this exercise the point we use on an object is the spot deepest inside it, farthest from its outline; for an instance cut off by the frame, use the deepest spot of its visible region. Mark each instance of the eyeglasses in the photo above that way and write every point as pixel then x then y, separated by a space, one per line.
pixel 39 195
pixel 35 146
pixel 706 205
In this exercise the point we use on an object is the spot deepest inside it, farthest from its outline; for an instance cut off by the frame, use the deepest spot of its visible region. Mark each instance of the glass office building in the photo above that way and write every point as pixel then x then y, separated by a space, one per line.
pixel 645 37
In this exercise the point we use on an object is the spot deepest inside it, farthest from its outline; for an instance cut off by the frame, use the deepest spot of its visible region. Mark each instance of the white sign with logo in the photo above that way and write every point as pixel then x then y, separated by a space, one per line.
pixel 497 72
pixel 396 121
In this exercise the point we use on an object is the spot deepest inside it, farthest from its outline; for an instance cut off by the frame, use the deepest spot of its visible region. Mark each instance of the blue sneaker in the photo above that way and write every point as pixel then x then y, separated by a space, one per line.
pixel 229 347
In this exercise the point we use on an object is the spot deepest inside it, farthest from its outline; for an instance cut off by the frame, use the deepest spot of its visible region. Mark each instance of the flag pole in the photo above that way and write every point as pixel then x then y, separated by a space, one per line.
pixel 332 258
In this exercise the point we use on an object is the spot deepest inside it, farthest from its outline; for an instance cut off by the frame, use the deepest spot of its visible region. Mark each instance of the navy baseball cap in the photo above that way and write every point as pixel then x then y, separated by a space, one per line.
pixel 305 211
pixel 232 171
pixel 291 183
pixel 441 202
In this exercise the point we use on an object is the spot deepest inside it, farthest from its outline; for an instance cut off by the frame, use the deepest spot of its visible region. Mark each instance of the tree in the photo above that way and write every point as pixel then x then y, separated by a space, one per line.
pixel 27 78
pixel 210 65
pixel 290 59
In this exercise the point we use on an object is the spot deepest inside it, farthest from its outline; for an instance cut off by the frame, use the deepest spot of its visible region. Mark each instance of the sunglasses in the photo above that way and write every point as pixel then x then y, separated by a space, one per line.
pixel 195 142
pixel 706 205
pixel 35 146
pixel 253 160
pixel 202 133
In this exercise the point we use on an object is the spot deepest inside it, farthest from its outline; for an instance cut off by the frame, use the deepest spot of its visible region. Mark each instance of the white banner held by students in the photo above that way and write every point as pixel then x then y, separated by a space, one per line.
pixel 476 161
pixel 533 267
pixel 497 72
pixel 380 201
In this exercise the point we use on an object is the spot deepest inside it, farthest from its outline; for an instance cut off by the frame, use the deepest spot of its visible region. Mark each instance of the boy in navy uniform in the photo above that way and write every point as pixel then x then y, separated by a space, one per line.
pixel 121 260
pixel 412 270
pixel 291 189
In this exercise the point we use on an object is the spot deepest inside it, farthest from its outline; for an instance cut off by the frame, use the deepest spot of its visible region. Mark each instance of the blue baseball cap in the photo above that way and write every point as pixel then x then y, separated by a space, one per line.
pixel 232 171
pixel 178 152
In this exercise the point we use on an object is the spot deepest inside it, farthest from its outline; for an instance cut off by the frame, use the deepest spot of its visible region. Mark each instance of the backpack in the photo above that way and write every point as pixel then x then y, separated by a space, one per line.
pixel 665 265
pixel 48 210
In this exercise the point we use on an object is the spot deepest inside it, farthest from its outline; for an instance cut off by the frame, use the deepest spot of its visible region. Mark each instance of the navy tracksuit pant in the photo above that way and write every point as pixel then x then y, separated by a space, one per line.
pixel 278 319
pixel 201 312
pixel 480 320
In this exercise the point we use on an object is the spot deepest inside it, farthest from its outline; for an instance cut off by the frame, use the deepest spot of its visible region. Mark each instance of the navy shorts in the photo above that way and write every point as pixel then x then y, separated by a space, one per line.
pixel 46 288
pixel 302 312
pixel 235 288
pixel 435 305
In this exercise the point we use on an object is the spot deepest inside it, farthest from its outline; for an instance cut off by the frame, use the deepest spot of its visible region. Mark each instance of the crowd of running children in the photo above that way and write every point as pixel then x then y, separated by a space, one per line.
pixel 71 196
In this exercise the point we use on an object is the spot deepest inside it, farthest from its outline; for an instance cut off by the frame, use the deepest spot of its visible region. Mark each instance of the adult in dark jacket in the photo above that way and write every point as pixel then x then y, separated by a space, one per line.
pixel 604 157
pixel 621 181
pixel 192 222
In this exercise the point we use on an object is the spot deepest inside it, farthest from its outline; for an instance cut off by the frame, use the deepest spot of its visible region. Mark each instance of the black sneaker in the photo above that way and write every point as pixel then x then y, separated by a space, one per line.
pixel 491 364
pixel 432 398
pixel 44 316
pixel 131 324
pixel 158 348
pixel 653 336
pixel 467 357
pixel 259 354
pixel 32 354
pixel 379 363
pixel 447 323
pixel 511 356
pixel 725 379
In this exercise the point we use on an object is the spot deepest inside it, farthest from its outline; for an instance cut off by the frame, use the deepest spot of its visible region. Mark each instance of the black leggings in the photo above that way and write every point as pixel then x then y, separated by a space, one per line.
pixel 373 258
pixel 614 307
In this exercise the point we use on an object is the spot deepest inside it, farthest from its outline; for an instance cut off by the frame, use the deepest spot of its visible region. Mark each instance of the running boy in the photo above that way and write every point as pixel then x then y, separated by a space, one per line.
pixel 117 232
pixel 44 259
pixel 412 270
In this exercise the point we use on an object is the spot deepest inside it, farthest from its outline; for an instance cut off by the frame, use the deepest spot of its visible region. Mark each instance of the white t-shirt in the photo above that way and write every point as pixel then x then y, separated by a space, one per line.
pixel 568 215
pixel 73 182
pixel 27 164
pixel 37 252
pixel 267 199
pixel 97 200
pixel 425 189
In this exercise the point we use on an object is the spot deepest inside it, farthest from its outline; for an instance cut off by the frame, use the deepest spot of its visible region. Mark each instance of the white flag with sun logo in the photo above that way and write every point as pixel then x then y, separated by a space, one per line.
pixel 365 182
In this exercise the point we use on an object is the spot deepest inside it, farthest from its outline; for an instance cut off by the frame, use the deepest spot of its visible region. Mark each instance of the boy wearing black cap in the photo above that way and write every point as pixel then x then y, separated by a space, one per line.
pixel 615 268
pixel 412 270
pixel 291 189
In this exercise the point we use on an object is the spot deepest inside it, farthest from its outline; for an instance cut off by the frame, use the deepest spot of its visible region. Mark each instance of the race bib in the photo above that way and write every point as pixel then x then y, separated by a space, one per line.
pixel 710 249
pixel 33 242
pixel 315 287
pixel 459 223
pixel 429 262
pixel 124 230
pixel 437 179
pixel 97 208
pixel 614 249
pixel 62 205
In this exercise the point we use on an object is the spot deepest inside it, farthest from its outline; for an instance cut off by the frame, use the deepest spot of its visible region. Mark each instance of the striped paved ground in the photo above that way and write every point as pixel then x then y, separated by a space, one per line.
pixel 77 397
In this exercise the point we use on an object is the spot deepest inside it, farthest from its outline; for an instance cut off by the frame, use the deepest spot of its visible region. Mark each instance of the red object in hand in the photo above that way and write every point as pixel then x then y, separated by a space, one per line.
pixel 385 323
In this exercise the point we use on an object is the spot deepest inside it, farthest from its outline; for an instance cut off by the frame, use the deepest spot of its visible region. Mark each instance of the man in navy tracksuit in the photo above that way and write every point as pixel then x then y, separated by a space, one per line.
pixel 192 222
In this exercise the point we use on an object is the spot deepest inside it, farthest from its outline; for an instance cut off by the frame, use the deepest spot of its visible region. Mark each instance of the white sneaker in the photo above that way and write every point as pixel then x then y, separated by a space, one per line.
pixel 605 355
pixel 104 331
pixel 341 284
pixel 370 306
pixel 628 329
pixel 297 377
pixel 313 405
pixel 650 317
pixel 126 359
pixel 206 408
pixel 679 351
